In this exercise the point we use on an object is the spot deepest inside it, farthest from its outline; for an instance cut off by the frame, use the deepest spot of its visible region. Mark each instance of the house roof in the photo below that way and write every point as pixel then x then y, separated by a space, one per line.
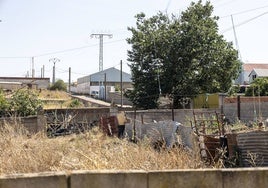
pixel 260 72
pixel 250 66
pixel 112 75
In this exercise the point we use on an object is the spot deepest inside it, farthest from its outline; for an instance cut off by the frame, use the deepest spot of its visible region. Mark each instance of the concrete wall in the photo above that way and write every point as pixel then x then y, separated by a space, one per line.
pixel 251 108
pixel 78 114
pixel 33 124
pixel 183 116
pixel 37 83
pixel 35 180
pixel 188 178
pixel 115 98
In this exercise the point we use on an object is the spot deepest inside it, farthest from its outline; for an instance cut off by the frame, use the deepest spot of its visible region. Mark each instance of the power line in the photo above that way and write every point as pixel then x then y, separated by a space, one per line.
pixel 245 11
pixel 74 49
pixel 223 4
pixel 15 57
pixel 168 4
pixel 64 51
pixel 60 51
pixel 244 22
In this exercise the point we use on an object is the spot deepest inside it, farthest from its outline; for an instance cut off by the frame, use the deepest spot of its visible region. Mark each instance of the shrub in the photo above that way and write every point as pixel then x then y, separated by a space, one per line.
pixel 4 105
pixel 259 87
pixel 59 85
pixel 75 103
pixel 25 103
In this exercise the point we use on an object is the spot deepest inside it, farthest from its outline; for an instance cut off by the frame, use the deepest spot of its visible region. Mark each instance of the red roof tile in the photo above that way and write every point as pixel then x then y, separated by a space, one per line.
pixel 251 66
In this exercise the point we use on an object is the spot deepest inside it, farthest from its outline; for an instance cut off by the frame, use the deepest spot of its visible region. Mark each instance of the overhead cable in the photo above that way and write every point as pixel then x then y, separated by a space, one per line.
pixel 246 21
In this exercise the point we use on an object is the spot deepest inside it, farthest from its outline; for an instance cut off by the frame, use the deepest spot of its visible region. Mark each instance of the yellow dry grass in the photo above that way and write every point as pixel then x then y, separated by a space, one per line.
pixel 54 99
pixel 49 94
pixel 20 153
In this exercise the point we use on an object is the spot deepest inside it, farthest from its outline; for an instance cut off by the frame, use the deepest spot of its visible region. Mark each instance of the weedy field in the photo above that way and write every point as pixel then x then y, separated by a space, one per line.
pixel 93 150
pixel 58 99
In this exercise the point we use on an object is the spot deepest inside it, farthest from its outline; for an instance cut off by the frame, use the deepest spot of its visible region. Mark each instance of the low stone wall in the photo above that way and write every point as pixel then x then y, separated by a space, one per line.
pixel 39 123
pixel 205 178
pixel 33 124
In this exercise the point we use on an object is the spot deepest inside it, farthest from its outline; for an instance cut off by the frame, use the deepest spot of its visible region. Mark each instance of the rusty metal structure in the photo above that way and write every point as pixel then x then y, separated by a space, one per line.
pixel 109 125
pixel 209 128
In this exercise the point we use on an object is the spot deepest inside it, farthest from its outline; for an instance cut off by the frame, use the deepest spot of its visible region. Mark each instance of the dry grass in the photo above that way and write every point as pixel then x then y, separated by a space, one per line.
pixel 54 99
pixel 90 151
pixel 48 94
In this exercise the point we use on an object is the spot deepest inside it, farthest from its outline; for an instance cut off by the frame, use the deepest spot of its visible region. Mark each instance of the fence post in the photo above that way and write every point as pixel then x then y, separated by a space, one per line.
pixel 238 107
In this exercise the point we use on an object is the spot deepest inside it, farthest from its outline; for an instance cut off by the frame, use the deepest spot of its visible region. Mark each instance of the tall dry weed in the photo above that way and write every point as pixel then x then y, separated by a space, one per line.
pixel 93 150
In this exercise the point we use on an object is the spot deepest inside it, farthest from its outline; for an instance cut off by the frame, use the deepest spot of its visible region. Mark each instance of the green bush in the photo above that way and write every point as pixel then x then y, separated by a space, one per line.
pixel 25 103
pixel 259 87
pixel 4 104
pixel 59 85
pixel 75 103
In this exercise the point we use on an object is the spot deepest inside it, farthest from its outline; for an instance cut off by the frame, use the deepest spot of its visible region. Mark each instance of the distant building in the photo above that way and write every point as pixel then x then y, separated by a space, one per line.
pixel 258 73
pixel 13 83
pixel 247 68
pixel 111 78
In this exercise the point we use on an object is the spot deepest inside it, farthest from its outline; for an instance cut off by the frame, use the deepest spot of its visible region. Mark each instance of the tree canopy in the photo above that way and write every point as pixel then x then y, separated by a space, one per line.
pixel 179 56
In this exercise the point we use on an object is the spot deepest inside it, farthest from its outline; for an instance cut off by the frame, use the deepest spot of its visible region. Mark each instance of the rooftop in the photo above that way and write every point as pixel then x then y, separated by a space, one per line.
pixel 250 66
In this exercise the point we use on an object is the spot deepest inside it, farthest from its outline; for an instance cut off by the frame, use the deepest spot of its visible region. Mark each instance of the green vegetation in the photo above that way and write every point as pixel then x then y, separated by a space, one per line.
pixel 25 103
pixel 21 103
pixel 259 87
pixel 59 85
pixel 4 104
pixel 75 103
pixel 179 57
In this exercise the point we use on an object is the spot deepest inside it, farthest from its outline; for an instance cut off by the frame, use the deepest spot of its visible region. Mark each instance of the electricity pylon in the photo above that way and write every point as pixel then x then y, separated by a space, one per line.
pixel 100 36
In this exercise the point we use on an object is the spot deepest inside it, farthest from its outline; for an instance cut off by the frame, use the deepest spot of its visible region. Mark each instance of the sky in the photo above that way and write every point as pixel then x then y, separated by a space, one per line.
pixel 32 32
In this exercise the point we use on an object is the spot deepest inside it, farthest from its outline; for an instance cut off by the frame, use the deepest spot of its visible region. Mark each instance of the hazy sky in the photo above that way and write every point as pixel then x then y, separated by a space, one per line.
pixel 46 29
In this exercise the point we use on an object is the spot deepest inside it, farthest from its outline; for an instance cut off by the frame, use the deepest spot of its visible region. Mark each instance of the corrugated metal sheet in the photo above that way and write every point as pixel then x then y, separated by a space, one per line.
pixel 254 148
pixel 165 130
pixel 158 131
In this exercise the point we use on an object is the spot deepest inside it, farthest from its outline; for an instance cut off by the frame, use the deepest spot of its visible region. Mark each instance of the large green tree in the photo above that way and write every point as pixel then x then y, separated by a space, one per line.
pixel 179 56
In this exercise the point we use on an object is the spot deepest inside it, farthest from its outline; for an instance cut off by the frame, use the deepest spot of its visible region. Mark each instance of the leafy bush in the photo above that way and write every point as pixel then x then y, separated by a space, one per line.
pixel 59 85
pixel 259 87
pixel 75 103
pixel 25 103
pixel 4 105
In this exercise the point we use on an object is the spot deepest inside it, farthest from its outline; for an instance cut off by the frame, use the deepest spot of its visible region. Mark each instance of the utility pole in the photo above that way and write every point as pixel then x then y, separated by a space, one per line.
pixel 33 67
pixel 105 86
pixel 100 36
pixel 54 60
pixel 69 79
pixel 242 79
pixel 121 83
pixel 235 36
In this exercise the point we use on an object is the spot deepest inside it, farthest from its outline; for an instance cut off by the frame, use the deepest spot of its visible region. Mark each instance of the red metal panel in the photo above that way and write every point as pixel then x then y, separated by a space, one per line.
pixel 109 125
